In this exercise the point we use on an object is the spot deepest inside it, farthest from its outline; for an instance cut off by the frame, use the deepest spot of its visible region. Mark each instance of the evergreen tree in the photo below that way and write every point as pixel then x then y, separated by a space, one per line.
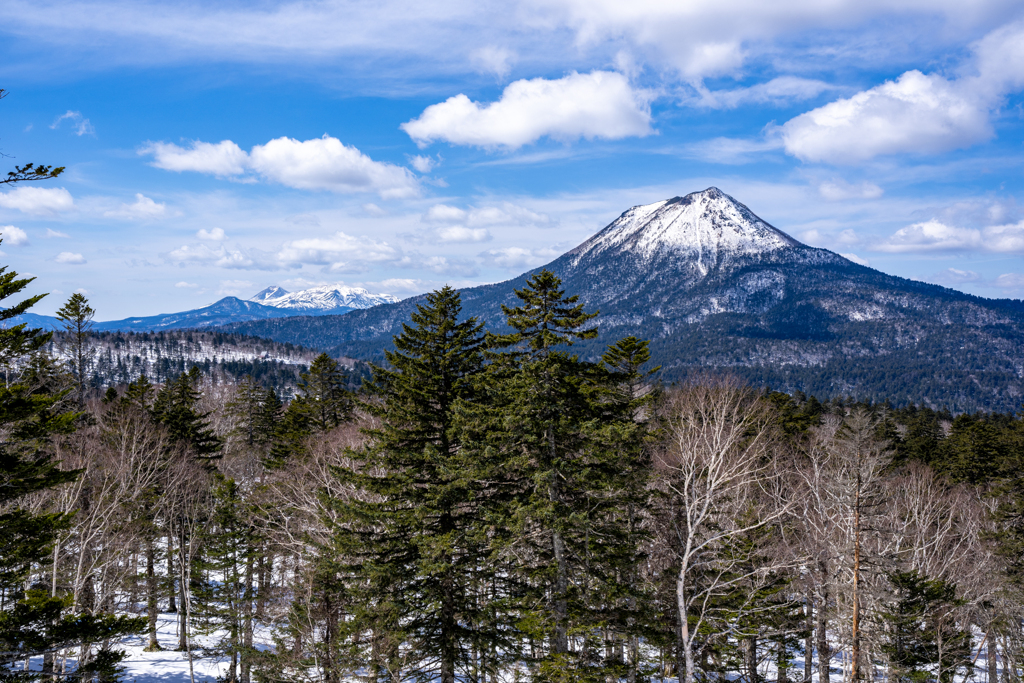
pixel 420 540
pixel 177 407
pixel 324 394
pixel 34 620
pixel 554 430
pixel 76 316
pixel 922 637
pixel 223 592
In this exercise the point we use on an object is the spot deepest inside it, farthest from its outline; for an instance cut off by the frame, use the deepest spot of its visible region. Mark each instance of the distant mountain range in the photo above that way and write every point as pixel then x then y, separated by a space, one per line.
pixel 272 302
pixel 716 288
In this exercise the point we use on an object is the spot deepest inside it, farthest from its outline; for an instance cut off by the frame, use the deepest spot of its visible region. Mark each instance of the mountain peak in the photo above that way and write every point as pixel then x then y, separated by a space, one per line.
pixel 322 298
pixel 271 292
pixel 709 227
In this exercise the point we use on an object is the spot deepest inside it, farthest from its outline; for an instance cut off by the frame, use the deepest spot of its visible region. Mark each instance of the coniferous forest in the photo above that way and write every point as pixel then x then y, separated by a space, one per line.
pixel 491 507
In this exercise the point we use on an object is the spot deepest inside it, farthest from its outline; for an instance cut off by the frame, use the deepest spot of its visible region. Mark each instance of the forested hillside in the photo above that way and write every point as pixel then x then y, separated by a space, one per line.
pixel 494 507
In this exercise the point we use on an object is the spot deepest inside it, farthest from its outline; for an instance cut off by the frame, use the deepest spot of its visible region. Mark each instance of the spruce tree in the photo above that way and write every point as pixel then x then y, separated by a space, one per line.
pixel 33 619
pixel 419 539
pixel 177 408
pixel 556 428
pixel 324 394
pixel 76 316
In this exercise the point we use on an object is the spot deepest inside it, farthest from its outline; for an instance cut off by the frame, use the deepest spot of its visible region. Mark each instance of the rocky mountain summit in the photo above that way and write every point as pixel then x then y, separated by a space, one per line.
pixel 323 298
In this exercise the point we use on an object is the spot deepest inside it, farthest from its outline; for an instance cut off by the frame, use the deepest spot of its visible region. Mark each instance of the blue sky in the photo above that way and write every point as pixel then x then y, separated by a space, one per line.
pixel 213 149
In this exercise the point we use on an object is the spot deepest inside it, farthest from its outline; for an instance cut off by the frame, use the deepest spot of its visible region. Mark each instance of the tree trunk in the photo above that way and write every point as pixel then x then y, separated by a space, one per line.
pixel 855 672
pixel 749 646
pixel 824 651
pixel 687 669
pixel 809 640
pixel 247 621
pixel 992 659
pixel 151 595
pixel 171 607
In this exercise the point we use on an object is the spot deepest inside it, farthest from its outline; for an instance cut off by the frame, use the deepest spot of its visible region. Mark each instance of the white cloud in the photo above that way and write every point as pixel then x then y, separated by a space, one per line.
pixel 327 164
pixel 142 208
pixel 374 210
pixel 318 164
pixel 836 190
pixel 12 236
pixel 185 285
pixel 214 235
pixel 459 233
pixel 954 276
pixel 222 159
pixel 931 236
pixel 778 91
pixel 916 113
pixel 493 60
pixel 601 104
pixel 934 235
pixel 423 164
pixel 913 114
pixel 81 125
pixel 339 253
pixel 519 258
pixel 51 233
pixel 506 213
pixel 1010 281
pixel 38 200
pixel 857 259
pixel 220 257
pixel 69 258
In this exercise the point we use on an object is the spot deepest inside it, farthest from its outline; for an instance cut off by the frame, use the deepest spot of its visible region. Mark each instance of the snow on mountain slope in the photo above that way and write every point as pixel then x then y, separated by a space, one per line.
pixel 322 298
pixel 707 227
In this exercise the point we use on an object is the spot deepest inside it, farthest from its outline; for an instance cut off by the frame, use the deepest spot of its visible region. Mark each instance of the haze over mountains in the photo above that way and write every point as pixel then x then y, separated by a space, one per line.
pixel 715 287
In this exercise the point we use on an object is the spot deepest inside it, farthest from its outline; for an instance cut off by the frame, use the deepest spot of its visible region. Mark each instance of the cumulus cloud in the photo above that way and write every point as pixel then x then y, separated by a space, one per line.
pixel 339 253
pixel 934 235
pixel 214 235
pixel 505 213
pixel 12 236
pixel 69 258
pixel 51 233
pixel 917 113
pixel 1010 281
pixel 38 200
pixel 423 164
pixel 318 164
pixel 221 257
pixel 80 125
pixel 141 209
pixel 224 158
pixel 460 233
pixel 836 190
pixel 185 285
pixel 600 104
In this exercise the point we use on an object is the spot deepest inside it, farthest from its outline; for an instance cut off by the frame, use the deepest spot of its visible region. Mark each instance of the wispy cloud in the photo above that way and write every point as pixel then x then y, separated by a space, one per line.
pixel 79 124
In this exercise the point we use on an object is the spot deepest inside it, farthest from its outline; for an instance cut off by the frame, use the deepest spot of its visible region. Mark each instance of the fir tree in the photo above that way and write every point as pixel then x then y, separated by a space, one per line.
pixel 177 407
pixel 324 394
pixel 554 428
pixel 76 316
pixel 34 619
pixel 420 538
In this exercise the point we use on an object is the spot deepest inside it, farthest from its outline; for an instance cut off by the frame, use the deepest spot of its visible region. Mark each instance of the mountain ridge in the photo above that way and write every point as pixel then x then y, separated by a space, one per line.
pixel 765 307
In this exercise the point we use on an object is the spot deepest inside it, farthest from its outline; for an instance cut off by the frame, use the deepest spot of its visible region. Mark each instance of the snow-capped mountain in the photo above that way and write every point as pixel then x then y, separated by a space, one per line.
pixel 323 298
pixel 713 286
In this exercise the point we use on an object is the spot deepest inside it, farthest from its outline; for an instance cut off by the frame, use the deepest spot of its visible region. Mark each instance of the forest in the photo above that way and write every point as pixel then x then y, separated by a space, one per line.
pixel 491 507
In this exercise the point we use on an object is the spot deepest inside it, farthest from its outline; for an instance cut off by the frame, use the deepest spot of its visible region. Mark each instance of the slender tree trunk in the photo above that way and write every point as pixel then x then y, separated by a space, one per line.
pixel 809 640
pixel 687 668
pixel 151 595
pixel 183 581
pixel 750 658
pixel 171 607
pixel 247 621
pixel 855 672
pixel 824 651
pixel 992 659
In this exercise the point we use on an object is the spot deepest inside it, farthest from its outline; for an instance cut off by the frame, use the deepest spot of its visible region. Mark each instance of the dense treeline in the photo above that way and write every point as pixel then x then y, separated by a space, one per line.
pixel 493 507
